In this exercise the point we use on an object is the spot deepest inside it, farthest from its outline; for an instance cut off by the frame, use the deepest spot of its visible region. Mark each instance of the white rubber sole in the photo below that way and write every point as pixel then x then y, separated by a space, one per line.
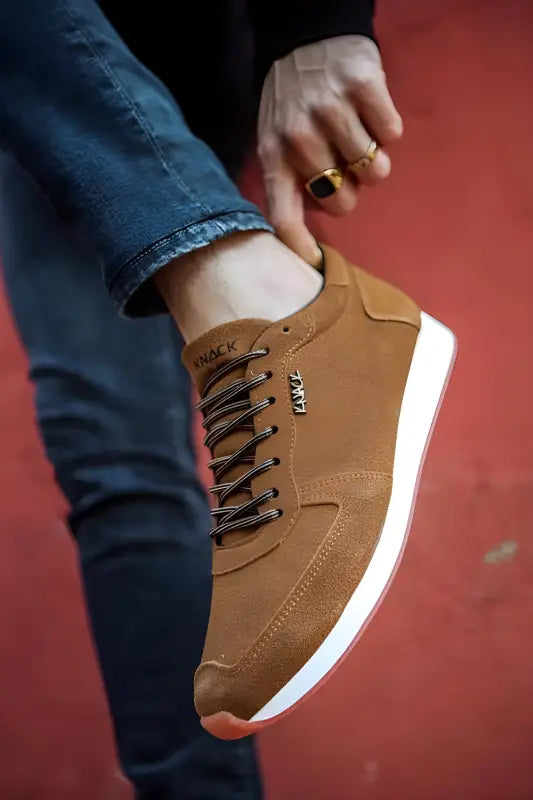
pixel 432 361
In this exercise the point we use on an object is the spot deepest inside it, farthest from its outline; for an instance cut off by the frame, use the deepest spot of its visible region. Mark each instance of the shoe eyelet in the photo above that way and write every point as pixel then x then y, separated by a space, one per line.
pixel 274 428
pixel 269 374
pixel 275 493
pixel 285 329
pixel 276 461
pixel 271 400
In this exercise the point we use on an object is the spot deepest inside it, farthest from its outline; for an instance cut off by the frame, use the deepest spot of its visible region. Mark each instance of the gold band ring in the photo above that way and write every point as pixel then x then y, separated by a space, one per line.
pixel 366 159
pixel 325 183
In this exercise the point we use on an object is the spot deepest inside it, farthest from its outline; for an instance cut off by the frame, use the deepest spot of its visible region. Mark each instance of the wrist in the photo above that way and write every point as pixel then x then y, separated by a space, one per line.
pixel 280 31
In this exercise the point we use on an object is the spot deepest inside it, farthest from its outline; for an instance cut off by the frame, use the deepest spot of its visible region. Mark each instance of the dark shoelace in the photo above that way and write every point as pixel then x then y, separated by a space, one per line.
pixel 236 398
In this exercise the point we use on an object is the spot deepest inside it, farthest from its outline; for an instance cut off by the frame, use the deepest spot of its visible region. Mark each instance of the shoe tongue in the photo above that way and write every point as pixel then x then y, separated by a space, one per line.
pixel 221 344
pixel 202 358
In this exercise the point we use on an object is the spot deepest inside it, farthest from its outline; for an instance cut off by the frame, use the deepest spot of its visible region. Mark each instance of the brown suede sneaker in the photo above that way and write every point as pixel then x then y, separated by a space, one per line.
pixel 318 426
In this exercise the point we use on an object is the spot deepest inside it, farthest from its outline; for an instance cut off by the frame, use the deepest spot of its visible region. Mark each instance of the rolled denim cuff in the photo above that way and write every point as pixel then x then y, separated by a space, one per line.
pixel 131 286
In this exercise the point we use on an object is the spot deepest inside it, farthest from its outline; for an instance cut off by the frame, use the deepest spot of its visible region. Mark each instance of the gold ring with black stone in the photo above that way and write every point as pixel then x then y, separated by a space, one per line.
pixel 325 183
pixel 366 159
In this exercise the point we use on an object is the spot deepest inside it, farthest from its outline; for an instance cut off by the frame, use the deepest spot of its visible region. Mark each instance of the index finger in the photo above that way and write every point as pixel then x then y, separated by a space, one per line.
pixel 285 201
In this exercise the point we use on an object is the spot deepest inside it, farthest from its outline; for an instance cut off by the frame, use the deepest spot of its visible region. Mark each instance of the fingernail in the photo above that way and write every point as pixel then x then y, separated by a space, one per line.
pixel 318 261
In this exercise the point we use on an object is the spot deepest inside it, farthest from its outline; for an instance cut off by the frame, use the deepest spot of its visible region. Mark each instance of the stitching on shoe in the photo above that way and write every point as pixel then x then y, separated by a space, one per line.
pixel 267 635
pixel 343 477
pixel 308 333
pixel 296 346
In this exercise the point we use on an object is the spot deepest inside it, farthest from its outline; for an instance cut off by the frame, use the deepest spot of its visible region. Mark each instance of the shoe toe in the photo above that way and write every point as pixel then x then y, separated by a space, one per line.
pixel 214 691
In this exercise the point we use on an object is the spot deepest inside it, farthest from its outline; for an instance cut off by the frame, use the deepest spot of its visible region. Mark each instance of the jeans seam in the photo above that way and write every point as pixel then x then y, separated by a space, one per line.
pixel 164 239
pixel 166 334
pixel 136 111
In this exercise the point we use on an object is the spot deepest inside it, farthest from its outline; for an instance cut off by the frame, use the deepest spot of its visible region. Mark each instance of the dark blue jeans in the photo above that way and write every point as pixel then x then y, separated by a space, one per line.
pixel 101 175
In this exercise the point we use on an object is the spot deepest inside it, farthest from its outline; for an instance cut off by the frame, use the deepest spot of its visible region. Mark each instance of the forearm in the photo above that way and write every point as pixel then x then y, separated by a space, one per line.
pixel 281 26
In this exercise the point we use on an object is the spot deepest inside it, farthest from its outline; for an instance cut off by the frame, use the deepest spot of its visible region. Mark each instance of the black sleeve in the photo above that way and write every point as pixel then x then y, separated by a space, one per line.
pixel 282 25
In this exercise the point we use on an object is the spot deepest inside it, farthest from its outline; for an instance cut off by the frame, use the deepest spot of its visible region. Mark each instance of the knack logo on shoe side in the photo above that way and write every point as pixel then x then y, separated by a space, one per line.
pixel 297 393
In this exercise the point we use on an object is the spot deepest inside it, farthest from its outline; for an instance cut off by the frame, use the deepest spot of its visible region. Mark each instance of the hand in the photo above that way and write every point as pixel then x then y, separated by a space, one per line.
pixel 320 107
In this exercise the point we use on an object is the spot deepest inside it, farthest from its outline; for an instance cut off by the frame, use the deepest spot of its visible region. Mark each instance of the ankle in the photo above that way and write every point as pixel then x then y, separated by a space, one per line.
pixel 245 275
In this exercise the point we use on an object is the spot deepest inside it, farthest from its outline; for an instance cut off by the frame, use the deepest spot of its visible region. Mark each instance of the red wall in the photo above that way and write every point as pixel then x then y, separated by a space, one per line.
pixel 436 702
